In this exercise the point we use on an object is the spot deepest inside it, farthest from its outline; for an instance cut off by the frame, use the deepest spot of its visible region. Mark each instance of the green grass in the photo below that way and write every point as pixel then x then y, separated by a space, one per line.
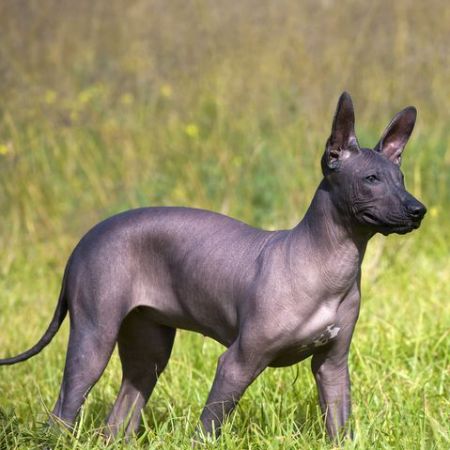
pixel 221 105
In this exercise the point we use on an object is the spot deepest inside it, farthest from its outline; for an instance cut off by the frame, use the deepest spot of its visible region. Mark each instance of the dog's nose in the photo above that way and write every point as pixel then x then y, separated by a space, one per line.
pixel 416 210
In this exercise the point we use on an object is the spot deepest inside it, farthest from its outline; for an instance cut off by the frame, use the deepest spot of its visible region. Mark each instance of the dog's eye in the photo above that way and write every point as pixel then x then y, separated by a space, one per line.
pixel 372 179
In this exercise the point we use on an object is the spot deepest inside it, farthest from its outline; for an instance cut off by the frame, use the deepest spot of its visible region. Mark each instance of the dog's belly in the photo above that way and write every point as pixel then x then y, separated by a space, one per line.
pixel 209 324
pixel 190 308
pixel 290 357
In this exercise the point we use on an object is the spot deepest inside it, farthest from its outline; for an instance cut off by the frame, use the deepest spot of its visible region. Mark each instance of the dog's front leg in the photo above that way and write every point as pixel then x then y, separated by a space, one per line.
pixel 236 370
pixel 330 369
pixel 333 384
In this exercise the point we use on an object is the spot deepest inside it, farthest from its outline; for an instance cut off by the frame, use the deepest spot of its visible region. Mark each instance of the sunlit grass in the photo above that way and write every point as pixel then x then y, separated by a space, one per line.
pixel 107 106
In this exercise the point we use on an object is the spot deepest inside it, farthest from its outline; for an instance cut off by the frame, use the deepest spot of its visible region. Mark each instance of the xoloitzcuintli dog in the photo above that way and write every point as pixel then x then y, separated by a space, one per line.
pixel 273 298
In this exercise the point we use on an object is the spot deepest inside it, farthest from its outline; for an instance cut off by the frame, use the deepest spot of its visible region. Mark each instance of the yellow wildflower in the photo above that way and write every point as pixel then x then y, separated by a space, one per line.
pixel 49 97
pixel 126 99
pixel 4 149
pixel 166 90
pixel 434 211
pixel 192 130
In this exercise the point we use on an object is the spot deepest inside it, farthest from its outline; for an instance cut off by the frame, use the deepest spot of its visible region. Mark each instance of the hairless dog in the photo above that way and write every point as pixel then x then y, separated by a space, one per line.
pixel 273 298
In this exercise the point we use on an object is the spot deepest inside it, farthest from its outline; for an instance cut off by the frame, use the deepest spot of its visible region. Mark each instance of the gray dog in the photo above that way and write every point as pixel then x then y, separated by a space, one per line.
pixel 273 298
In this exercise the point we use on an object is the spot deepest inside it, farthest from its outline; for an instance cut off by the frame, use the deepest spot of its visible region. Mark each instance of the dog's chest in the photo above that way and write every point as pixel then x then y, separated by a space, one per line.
pixel 328 334
pixel 304 347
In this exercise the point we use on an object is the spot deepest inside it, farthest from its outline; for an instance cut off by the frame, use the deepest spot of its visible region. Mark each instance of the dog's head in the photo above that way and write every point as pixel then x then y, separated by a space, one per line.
pixel 367 184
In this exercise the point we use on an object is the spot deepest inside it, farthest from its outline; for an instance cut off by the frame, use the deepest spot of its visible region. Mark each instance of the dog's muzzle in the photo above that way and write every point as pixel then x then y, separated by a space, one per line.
pixel 416 212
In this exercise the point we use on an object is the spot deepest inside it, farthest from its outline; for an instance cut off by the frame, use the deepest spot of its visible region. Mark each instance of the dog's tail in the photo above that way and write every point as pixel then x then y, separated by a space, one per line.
pixel 58 317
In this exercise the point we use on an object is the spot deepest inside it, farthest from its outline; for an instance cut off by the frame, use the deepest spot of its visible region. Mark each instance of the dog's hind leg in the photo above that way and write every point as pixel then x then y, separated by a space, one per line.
pixel 88 353
pixel 144 349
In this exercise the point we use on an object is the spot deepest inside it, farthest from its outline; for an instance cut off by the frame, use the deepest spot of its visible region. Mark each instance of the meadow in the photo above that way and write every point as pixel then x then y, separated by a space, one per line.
pixel 106 106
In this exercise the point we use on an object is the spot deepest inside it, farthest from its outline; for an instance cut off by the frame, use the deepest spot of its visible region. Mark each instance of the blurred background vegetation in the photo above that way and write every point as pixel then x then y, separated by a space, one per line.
pixel 224 105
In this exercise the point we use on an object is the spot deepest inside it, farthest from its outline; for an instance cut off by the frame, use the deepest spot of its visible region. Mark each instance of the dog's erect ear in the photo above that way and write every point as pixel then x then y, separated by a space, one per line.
pixel 342 141
pixel 396 135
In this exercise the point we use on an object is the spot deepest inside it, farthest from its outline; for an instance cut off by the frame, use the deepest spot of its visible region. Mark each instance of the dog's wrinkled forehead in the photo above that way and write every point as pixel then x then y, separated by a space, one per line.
pixel 367 160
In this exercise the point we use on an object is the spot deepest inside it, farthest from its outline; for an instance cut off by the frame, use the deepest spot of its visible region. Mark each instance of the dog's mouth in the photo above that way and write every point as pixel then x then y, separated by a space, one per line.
pixel 387 227
pixel 402 229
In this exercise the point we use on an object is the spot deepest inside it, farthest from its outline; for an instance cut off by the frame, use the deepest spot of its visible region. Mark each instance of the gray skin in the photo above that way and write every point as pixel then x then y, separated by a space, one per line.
pixel 273 298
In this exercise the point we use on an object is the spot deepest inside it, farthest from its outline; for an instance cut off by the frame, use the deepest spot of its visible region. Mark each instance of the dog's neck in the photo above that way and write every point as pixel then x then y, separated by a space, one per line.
pixel 333 241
